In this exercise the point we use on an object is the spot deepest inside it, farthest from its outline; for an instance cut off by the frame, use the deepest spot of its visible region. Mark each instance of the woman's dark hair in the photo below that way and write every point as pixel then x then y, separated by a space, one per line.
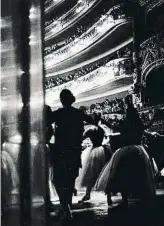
pixel 66 97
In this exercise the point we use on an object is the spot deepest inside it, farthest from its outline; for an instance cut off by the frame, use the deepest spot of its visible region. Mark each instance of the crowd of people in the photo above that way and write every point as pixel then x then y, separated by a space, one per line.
pixel 113 112
pixel 56 81
pixel 82 28
pixel 123 156
pixel 78 44
pixel 52 82
pixel 61 21
pixel 78 31
pixel 96 160
pixel 118 13
pixel 97 78
pixel 73 166
pixel 59 17
pixel 108 107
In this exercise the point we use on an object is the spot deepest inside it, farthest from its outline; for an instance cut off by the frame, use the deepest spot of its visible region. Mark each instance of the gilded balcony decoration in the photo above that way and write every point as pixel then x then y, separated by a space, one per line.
pixel 149 3
pixel 152 55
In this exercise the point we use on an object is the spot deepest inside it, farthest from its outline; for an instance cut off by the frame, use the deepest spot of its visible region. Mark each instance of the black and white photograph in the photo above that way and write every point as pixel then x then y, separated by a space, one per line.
pixel 82 112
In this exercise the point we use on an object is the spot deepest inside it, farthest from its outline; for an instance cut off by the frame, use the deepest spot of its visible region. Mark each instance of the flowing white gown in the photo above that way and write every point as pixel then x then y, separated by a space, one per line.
pixel 93 160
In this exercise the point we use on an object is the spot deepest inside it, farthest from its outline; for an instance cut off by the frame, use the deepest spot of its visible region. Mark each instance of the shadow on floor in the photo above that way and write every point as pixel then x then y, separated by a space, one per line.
pixel 96 213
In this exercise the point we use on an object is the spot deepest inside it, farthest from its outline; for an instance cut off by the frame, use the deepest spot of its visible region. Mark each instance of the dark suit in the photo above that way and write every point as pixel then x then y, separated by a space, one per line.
pixel 67 150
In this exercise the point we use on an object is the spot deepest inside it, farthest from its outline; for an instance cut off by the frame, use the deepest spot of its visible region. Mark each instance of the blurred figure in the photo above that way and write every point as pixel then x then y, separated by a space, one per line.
pixel 10 179
pixel 154 145
pixel 49 149
pixel 132 128
pixel 130 170
pixel 66 158
pixel 93 158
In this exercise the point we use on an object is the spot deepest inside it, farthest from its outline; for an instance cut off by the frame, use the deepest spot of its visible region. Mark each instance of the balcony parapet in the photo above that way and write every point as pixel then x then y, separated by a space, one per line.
pixel 152 55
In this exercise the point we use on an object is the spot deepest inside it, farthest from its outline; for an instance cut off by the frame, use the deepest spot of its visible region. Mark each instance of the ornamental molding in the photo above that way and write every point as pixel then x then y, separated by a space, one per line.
pixel 152 55
pixel 152 66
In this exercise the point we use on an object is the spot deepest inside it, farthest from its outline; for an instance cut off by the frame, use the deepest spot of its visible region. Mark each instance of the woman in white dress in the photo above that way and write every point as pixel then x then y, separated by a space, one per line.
pixel 130 170
pixel 93 158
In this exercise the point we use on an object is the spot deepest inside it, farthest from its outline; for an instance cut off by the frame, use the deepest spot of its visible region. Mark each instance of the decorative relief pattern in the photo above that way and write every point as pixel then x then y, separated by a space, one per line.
pixel 152 54
pixel 149 3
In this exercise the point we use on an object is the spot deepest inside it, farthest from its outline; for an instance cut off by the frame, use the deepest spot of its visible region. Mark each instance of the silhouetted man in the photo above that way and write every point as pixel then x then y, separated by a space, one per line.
pixel 67 151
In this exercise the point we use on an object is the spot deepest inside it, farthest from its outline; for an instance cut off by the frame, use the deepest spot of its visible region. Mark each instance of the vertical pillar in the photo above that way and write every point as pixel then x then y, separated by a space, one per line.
pixel 39 167
pixel 26 79
pixel 25 155
pixel 46 155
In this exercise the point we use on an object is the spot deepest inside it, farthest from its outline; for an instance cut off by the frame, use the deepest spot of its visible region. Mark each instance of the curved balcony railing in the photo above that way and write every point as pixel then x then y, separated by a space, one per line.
pixel 117 65
pixel 69 18
pixel 77 46
pixel 47 2
pixel 52 4
pixel 116 13
pixel 55 3
pixel 56 22
pixel 152 55
pixel 62 19
pixel 83 42
pixel 88 82
pixel 124 49
pixel 149 4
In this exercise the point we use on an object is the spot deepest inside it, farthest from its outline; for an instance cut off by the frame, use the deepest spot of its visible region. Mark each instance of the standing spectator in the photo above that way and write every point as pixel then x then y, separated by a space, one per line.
pixel 67 150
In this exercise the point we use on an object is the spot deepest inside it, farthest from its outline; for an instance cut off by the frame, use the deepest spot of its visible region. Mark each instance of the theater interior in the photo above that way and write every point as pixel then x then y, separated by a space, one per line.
pixel 101 50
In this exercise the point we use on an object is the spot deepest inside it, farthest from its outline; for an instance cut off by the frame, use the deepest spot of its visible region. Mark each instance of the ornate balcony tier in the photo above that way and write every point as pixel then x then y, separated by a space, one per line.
pixel 152 55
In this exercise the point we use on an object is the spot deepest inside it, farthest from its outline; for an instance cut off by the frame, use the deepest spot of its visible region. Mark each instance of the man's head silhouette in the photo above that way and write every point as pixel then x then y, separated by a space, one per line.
pixel 67 98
